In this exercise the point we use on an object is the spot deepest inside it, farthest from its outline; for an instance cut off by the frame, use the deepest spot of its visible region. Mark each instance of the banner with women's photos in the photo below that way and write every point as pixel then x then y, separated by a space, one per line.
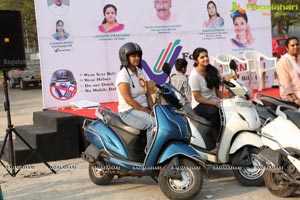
pixel 79 40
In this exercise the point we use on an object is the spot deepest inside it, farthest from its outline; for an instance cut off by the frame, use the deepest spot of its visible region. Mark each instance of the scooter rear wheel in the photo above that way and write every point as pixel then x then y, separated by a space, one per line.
pixel 277 185
pixel 188 186
pixel 98 175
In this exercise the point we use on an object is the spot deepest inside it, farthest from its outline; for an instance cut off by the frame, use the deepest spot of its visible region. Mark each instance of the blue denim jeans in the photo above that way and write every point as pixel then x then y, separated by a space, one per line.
pixel 139 120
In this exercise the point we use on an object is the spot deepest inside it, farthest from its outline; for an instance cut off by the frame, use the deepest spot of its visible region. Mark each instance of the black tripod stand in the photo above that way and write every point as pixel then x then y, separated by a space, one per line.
pixel 13 170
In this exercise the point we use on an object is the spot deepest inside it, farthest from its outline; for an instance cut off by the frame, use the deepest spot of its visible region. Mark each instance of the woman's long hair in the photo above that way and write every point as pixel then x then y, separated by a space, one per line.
pixel 213 77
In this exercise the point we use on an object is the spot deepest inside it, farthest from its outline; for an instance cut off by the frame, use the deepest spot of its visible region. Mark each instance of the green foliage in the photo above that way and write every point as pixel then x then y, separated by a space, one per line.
pixel 283 19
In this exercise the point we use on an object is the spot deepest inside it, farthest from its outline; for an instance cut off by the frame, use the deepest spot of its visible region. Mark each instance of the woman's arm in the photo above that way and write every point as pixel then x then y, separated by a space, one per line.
pixel 285 80
pixel 198 97
pixel 149 100
pixel 125 92
pixel 219 93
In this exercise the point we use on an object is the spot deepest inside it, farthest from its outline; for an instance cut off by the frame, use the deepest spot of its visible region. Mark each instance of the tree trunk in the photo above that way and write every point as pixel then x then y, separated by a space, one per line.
pixel 279 29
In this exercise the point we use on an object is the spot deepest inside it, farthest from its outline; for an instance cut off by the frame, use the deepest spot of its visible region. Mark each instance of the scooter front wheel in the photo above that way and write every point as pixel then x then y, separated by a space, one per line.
pixel 188 185
pixel 278 185
pixel 250 176
pixel 98 175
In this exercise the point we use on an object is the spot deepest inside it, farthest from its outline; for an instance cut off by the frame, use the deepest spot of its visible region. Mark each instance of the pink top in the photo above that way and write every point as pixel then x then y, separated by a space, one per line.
pixel 289 78
pixel 114 29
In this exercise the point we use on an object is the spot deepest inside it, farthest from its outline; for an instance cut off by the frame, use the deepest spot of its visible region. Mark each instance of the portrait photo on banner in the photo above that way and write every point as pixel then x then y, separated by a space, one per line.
pixel 243 32
pixel 166 16
pixel 109 23
pixel 215 20
pixel 58 7
pixel 60 32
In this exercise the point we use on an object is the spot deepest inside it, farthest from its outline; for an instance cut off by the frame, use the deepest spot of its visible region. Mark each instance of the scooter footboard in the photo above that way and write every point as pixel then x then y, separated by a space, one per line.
pixel 183 149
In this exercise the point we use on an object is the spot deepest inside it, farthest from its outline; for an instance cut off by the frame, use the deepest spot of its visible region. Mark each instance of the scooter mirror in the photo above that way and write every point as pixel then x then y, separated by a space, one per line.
pixel 232 65
pixel 166 68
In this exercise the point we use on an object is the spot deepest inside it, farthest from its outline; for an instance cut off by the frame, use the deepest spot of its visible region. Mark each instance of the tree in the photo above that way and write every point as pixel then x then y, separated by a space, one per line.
pixel 284 19
pixel 28 19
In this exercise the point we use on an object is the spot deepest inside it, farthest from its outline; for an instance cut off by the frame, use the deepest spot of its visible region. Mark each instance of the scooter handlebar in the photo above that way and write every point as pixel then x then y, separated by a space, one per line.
pixel 228 83
pixel 158 86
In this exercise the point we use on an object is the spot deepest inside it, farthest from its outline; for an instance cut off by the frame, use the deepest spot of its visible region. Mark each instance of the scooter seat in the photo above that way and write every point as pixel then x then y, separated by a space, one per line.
pixel 272 102
pixel 114 119
pixel 294 116
pixel 190 113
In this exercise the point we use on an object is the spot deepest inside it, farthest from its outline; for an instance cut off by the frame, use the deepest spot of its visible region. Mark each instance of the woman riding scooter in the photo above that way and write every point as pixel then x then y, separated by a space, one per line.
pixel 135 101
pixel 116 149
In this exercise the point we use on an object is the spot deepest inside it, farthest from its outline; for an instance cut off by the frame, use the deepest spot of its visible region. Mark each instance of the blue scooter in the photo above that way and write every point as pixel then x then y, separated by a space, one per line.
pixel 117 149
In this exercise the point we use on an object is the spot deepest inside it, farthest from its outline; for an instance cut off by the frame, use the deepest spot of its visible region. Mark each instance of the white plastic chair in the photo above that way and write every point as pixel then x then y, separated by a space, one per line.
pixel 212 60
pixel 225 59
pixel 255 59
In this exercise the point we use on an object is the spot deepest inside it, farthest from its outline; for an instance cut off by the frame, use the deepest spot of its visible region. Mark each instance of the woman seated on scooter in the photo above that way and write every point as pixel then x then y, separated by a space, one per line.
pixel 135 100
pixel 205 81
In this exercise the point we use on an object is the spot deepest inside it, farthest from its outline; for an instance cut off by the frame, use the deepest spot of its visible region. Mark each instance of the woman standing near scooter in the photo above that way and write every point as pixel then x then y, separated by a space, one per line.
pixel 205 81
pixel 288 70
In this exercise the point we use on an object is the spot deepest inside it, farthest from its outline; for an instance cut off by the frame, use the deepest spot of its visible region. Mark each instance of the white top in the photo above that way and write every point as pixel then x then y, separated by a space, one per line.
pixel 137 92
pixel 198 83
pixel 154 20
pixel 59 10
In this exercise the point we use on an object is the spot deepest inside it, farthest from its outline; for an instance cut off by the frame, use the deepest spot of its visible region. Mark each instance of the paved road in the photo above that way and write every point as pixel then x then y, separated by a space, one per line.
pixel 72 182
pixel 22 104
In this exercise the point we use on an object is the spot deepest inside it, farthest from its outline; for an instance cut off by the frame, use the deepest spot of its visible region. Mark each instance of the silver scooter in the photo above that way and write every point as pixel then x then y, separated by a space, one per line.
pixel 280 154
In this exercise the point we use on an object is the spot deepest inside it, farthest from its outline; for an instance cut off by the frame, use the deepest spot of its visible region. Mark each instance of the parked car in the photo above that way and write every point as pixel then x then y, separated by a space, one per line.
pixel 30 75
pixel 278 47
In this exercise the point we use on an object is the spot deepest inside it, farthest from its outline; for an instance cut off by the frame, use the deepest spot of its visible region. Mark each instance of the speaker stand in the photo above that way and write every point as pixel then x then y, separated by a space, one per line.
pixel 12 169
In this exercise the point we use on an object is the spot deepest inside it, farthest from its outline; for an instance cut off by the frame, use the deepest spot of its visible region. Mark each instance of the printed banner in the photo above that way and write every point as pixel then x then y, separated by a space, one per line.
pixel 79 50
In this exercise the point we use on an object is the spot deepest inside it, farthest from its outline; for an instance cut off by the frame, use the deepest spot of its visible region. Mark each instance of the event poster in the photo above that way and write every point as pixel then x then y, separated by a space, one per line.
pixel 79 51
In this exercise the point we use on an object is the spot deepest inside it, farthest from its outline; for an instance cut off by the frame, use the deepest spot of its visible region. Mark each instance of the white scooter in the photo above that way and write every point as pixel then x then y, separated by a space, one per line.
pixel 239 142
pixel 266 106
pixel 280 154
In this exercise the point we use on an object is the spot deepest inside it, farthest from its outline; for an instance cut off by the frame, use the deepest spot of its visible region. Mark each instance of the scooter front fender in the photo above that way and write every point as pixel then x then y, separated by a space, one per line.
pixel 245 139
pixel 175 149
